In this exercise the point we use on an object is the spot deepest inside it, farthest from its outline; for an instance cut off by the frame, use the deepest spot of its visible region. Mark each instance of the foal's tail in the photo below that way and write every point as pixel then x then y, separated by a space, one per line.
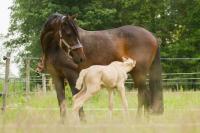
pixel 80 84
pixel 155 84
pixel 80 80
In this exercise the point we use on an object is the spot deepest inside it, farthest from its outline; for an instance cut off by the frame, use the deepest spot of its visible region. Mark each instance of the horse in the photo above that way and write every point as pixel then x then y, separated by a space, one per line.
pixel 55 60
pixel 111 76
pixel 101 48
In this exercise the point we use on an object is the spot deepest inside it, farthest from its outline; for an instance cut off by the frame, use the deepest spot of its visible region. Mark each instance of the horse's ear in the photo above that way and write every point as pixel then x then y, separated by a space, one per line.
pixel 74 16
pixel 68 16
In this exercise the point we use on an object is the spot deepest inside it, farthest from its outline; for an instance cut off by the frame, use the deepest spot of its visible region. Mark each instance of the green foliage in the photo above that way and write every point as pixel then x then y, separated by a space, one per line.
pixel 176 23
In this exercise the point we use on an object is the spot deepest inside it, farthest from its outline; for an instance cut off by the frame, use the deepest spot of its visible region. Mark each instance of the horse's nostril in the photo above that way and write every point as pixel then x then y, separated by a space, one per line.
pixel 81 60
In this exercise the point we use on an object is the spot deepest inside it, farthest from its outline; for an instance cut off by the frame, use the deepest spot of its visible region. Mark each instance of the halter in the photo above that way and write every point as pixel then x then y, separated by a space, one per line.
pixel 62 40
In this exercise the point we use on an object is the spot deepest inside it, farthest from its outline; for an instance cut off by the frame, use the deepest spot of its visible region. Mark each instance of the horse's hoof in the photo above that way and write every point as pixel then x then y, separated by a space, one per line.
pixel 83 120
pixel 61 122
pixel 156 111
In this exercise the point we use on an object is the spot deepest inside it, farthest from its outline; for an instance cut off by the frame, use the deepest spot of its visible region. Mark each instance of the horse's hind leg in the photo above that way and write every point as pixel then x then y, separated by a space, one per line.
pixel 60 90
pixel 143 92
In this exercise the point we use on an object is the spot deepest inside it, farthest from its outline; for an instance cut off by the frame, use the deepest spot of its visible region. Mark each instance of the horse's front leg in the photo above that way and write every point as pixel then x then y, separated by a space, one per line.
pixel 60 91
pixel 143 93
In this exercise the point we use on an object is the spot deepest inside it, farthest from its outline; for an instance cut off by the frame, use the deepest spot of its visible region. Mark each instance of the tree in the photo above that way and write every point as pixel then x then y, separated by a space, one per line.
pixel 176 23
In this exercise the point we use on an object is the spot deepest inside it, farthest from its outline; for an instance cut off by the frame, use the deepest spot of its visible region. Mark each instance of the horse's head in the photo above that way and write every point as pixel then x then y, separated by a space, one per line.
pixel 128 63
pixel 69 38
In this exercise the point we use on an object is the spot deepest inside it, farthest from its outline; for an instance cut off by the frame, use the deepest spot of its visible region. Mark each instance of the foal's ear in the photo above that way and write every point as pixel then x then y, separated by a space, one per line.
pixel 124 58
pixel 134 63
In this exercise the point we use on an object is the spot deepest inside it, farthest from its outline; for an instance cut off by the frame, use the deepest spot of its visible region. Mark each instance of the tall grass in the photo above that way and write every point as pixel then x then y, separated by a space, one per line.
pixel 40 113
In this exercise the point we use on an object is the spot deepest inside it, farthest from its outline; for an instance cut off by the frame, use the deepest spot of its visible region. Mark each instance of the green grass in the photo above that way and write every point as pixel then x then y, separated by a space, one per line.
pixel 39 113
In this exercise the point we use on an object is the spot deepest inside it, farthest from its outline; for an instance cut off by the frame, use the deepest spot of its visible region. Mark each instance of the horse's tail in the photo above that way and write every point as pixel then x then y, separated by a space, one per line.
pixel 155 84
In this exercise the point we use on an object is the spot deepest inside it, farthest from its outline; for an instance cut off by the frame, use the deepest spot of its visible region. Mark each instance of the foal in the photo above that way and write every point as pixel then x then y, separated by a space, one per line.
pixel 111 76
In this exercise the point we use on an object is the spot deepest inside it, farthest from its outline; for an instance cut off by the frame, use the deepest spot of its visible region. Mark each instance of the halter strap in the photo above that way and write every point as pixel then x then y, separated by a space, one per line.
pixel 70 48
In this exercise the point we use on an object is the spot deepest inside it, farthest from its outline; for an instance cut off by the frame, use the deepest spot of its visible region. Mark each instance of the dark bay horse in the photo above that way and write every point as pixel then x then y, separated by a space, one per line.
pixel 56 59
pixel 101 48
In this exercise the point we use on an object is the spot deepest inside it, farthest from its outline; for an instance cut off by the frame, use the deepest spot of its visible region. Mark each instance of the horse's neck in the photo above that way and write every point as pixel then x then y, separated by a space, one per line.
pixel 49 41
pixel 82 32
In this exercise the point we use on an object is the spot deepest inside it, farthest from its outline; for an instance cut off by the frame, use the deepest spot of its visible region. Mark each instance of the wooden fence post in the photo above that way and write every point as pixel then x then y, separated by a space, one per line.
pixel 6 81
pixel 44 86
pixel 51 87
pixel 27 63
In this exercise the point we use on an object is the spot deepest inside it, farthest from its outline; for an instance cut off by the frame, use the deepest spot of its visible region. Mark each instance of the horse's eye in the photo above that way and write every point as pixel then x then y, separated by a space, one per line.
pixel 68 33
pixel 65 24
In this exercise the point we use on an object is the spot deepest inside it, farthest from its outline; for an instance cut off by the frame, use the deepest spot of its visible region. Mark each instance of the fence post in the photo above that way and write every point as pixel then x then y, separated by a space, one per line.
pixel 44 87
pixel 27 64
pixel 6 81
pixel 51 84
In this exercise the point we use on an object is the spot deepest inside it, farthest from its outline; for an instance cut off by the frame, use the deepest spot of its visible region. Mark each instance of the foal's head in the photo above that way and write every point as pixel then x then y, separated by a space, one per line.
pixel 128 63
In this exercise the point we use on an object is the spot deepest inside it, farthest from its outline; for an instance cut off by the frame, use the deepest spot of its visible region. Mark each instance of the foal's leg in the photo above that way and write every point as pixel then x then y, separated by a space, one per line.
pixel 60 90
pixel 79 101
pixel 121 89
pixel 72 82
pixel 110 93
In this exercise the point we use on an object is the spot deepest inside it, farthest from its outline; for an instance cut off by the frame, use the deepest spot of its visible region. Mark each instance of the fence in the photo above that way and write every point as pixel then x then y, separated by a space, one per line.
pixel 42 82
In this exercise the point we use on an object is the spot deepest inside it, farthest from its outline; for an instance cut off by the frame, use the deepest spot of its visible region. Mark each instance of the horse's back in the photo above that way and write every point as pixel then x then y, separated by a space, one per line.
pixel 105 46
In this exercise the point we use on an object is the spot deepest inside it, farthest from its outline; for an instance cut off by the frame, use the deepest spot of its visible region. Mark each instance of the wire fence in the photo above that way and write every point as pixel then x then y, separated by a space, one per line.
pixel 32 81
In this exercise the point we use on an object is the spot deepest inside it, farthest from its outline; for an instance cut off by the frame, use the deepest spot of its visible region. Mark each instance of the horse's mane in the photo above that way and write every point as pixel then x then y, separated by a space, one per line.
pixel 74 26
pixel 49 28
pixel 48 24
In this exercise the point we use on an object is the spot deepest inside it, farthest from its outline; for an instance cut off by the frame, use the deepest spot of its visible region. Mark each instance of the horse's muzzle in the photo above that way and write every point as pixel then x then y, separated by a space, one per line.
pixel 80 60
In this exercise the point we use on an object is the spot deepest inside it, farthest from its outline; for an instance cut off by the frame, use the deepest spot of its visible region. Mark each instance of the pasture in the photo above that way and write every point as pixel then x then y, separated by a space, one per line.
pixel 40 113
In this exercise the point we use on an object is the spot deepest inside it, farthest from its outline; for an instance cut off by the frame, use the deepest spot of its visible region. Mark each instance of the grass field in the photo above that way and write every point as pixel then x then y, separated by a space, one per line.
pixel 39 113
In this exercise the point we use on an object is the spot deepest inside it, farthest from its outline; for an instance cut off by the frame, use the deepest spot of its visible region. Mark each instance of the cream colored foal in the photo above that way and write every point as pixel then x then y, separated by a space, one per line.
pixel 110 76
